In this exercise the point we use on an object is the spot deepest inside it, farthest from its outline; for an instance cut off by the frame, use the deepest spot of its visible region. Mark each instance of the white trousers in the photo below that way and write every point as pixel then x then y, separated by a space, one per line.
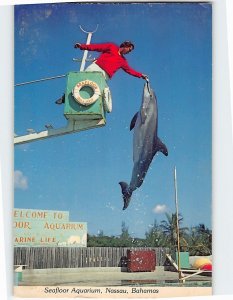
pixel 94 67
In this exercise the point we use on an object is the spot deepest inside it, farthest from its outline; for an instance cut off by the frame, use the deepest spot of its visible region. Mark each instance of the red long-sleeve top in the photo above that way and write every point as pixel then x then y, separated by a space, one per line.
pixel 110 60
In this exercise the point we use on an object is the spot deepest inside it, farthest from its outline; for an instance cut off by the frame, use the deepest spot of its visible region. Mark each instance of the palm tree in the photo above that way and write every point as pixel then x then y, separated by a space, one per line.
pixel 200 240
pixel 125 236
pixel 169 229
pixel 155 236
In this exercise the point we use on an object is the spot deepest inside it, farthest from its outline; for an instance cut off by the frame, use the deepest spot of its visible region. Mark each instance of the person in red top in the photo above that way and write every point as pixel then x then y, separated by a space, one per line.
pixel 111 60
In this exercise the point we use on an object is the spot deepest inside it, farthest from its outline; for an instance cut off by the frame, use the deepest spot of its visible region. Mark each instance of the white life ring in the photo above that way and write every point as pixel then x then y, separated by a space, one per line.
pixel 95 88
pixel 107 100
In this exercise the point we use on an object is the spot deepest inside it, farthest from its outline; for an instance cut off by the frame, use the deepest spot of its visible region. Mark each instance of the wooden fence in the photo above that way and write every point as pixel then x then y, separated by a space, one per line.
pixel 72 257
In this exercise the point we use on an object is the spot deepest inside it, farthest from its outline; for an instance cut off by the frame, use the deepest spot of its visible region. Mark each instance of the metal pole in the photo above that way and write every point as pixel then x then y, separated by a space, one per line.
pixel 39 80
pixel 177 225
pixel 72 126
pixel 89 35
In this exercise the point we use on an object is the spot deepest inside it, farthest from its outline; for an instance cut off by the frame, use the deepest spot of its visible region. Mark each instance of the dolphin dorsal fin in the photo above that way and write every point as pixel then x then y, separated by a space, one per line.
pixel 160 146
pixel 133 121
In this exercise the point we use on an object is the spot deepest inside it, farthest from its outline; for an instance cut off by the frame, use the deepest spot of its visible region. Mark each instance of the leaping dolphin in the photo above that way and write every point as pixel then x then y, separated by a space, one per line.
pixel 146 142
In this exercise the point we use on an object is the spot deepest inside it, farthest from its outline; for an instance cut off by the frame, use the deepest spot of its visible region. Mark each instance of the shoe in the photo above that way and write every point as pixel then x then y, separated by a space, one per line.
pixel 60 100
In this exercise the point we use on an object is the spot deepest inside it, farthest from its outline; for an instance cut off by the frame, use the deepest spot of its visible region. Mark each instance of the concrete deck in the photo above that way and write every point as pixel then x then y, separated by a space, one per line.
pixel 101 277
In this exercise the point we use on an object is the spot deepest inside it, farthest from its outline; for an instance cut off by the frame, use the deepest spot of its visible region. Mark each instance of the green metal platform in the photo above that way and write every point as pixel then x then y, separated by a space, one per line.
pixel 76 111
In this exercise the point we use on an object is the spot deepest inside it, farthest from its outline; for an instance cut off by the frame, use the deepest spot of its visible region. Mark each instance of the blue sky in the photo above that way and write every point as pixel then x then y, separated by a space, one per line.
pixel 80 172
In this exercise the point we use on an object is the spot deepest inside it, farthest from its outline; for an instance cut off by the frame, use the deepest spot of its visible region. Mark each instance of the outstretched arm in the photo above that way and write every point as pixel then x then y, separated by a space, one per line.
pixel 93 47
pixel 132 72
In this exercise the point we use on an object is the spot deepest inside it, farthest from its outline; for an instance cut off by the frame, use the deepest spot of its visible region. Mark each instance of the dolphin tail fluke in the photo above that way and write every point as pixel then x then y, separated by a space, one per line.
pixel 160 146
pixel 126 192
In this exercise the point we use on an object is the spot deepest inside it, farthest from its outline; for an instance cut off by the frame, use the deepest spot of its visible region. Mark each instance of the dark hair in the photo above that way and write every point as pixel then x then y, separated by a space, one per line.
pixel 127 44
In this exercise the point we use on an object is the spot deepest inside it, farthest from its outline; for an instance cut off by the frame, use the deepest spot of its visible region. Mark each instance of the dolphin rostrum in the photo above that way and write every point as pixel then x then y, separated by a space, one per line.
pixel 146 142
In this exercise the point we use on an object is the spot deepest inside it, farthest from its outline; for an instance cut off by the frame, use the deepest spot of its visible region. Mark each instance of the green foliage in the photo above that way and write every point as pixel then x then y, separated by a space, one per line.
pixel 125 238
pixel 169 229
pixel 155 236
pixel 200 240
pixel 197 240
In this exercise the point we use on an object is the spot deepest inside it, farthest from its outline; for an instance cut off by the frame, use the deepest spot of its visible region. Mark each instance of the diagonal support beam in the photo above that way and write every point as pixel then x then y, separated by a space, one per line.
pixel 72 127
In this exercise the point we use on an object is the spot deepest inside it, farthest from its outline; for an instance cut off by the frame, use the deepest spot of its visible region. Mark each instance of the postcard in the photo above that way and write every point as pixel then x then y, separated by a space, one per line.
pixel 113 149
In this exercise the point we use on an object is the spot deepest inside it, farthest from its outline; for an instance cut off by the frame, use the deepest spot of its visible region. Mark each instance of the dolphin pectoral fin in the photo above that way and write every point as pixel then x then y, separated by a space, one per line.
pixel 126 192
pixel 160 146
pixel 133 121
